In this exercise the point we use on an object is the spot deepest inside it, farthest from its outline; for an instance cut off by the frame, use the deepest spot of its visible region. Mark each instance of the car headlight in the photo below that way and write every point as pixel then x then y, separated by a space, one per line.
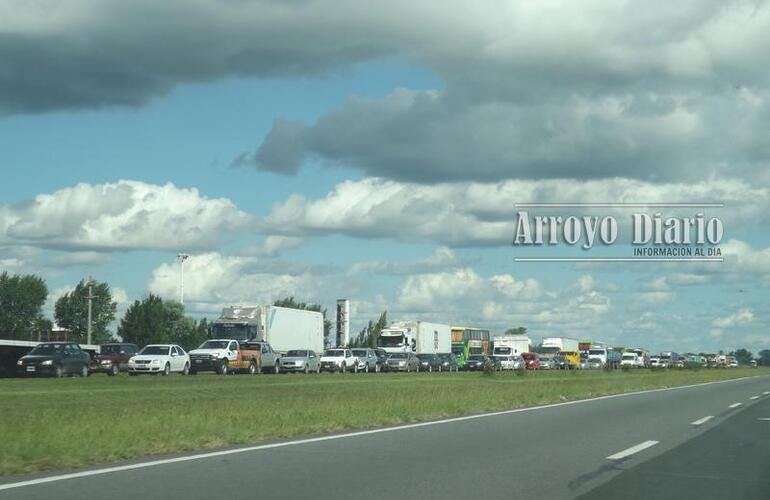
pixel 402 363
pixel 20 363
pixel 106 362
pixel 47 362
pixel 213 356
pixel 155 361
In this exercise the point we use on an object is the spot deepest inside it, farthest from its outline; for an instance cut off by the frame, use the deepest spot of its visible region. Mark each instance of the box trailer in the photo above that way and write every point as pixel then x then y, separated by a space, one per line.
pixel 509 345
pixel 283 328
pixel 416 336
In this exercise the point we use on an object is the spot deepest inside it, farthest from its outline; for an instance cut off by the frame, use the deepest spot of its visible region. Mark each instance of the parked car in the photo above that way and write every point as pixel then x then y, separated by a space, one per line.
pixel 655 361
pixel 160 358
pixel 531 360
pixel 339 360
pixel 511 362
pixel 448 362
pixel 382 356
pixel 402 362
pixel 301 361
pixel 546 364
pixel 594 364
pixel 113 358
pixel 560 362
pixel 55 359
pixel 367 360
pixel 429 362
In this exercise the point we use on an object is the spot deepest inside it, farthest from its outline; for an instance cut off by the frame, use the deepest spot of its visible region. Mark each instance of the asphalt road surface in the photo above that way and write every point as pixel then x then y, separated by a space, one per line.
pixel 656 444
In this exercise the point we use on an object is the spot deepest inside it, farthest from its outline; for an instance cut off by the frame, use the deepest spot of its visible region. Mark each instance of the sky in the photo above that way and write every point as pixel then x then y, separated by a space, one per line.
pixel 331 149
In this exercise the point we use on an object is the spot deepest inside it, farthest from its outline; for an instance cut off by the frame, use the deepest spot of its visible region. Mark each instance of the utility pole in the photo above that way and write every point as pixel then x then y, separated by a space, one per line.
pixel 181 257
pixel 90 298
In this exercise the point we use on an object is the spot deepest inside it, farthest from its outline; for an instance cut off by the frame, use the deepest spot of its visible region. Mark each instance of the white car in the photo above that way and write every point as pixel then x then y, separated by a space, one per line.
pixel 511 362
pixel 160 358
pixel 339 360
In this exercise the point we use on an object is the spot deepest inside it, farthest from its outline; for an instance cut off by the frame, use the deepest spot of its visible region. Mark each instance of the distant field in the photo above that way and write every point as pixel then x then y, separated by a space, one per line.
pixel 67 423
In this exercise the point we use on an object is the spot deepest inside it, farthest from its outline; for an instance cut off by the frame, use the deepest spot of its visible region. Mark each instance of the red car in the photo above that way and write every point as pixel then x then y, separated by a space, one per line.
pixel 531 360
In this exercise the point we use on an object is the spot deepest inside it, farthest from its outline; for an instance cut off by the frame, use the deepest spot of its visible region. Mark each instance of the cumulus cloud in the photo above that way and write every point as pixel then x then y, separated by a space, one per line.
pixel 124 215
pixel 742 317
pixel 442 258
pixel 483 214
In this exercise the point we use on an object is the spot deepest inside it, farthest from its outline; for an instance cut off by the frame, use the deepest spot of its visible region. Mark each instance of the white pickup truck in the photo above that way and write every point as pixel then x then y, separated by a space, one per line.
pixel 339 360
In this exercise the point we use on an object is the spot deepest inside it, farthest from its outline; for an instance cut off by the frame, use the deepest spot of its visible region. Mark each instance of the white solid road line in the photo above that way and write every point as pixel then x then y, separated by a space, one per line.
pixel 754 397
pixel 763 418
pixel 703 420
pixel 630 451
pixel 735 405
pixel 283 444
pixel 766 393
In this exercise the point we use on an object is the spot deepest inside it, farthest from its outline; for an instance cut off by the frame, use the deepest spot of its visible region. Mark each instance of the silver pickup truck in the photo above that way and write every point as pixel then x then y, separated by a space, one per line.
pixel 270 360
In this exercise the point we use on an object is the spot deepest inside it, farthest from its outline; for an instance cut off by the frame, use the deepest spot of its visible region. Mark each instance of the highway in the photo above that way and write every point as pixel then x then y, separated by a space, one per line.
pixel 704 441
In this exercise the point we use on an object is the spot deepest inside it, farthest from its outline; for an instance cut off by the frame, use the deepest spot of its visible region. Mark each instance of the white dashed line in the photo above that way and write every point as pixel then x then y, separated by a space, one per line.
pixel 754 397
pixel 735 405
pixel 703 420
pixel 630 451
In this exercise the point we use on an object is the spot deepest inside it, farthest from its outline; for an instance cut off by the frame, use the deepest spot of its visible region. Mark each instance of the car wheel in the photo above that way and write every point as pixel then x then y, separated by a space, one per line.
pixel 115 370
pixel 366 368
pixel 186 369
pixel 59 373
pixel 430 368
pixel 355 368
pixel 417 369
pixel 84 371
pixel 166 369
pixel 408 368
pixel 252 368
pixel 307 369
pixel 377 368
pixel 276 368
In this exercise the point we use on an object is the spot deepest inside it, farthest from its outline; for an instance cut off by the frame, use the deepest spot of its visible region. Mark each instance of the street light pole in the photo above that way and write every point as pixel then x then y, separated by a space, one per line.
pixel 90 298
pixel 181 257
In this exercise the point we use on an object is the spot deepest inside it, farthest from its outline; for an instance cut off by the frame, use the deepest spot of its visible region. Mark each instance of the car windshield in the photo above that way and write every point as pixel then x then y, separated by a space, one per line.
pixel 335 353
pixel 296 354
pixel 398 355
pixel 476 358
pixel 110 349
pixel 360 352
pixel 528 356
pixel 391 341
pixel 629 356
pixel 215 344
pixel 596 351
pixel 155 350
pixel 594 360
pixel 48 349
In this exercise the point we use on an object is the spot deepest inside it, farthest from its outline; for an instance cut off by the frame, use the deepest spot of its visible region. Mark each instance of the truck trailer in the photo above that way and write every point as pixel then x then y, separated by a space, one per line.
pixel 511 345
pixel 415 336
pixel 554 345
pixel 283 328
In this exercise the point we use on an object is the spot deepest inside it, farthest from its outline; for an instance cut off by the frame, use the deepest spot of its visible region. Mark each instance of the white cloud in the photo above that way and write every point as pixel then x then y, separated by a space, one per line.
pixel 742 317
pixel 125 215
pixel 442 258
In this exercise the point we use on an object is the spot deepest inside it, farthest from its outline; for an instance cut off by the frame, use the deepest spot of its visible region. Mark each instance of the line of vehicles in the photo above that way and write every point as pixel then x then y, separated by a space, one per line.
pixel 271 339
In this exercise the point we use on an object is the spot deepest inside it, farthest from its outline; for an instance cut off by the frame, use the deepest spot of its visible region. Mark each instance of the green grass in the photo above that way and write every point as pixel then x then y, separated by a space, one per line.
pixel 50 424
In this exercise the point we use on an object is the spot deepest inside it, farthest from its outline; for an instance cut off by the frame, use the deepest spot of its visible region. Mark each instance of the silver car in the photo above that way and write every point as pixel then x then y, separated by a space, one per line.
pixel 301 361
pixel 513 362
pixel 367 360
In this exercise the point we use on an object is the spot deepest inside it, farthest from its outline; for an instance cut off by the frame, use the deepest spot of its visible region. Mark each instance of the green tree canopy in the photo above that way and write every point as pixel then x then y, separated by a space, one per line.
pixel 155 321
pixel 519 330
pixel 367 337
pixel 764 357
pixel 743 356
pixel 71 311
pixel 21 305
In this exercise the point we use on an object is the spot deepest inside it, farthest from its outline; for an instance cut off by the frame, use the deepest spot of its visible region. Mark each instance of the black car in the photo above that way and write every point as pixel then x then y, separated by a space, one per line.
pixel 55 359
pixel 477 362
pixel 429 362
pixel 448 362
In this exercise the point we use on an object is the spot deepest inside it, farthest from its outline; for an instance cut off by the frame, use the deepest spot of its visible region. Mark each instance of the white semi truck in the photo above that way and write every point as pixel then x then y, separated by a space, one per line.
pixel 416 336
pixel 283 328
pixel 554 345
pixel 511 345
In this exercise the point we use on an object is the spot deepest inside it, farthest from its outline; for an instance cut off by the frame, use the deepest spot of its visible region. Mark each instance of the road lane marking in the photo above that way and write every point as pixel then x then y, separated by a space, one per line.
pixel 735 405
pixel 754 397
pixel 283 444
pixel 703 420
pixel 634 449
pixel 766 393
pixel 763 418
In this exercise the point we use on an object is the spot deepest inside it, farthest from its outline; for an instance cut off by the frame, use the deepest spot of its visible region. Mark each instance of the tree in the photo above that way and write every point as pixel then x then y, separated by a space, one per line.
pixel 155 321
pixel 21 304
pixel 743 356
pixel 367 337
pixel 764 357
pixel 519 330
pixel 71 311
pixel 293 304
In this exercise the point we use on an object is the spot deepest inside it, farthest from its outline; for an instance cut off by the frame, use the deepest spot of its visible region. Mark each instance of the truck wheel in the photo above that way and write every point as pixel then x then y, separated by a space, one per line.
pixel 343 368
pixel 84 371
pixel 252 368
pixel 223 368
pixel 276 368
pixel 186 369
pixel 166 369
pixel 114 371
pixel 355 368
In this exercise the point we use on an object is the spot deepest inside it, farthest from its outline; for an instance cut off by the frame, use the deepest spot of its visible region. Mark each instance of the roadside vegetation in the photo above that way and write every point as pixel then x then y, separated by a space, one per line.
pixel 54 424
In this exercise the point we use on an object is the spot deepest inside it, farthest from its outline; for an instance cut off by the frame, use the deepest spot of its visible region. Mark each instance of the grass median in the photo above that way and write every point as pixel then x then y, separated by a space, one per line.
pixel 54 424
